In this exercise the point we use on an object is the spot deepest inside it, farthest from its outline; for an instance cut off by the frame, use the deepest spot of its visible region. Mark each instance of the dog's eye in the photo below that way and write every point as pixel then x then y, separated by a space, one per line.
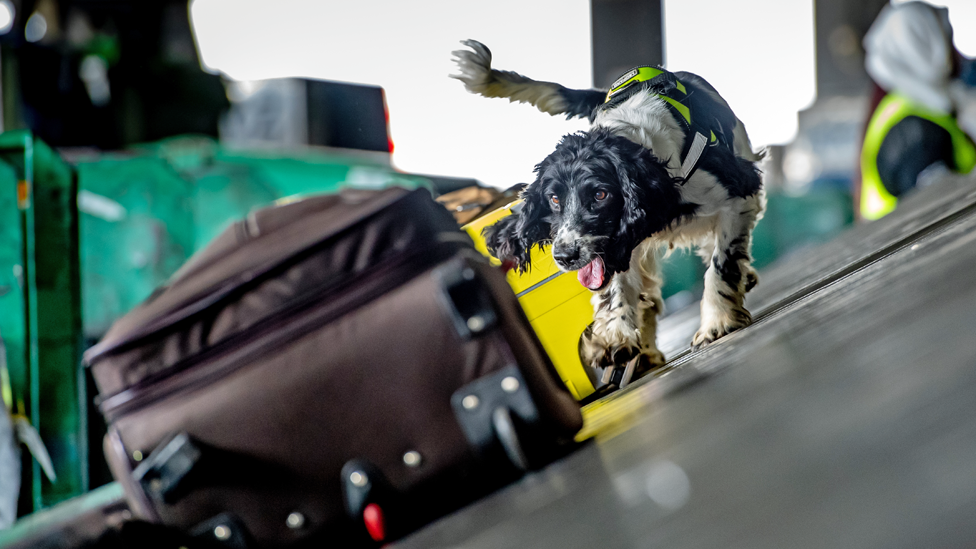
pixel 554 199
pixel 600 195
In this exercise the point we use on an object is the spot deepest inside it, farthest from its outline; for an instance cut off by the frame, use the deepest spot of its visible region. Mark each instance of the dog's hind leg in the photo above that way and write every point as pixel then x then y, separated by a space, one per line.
pixel 625 317
pixel 729 274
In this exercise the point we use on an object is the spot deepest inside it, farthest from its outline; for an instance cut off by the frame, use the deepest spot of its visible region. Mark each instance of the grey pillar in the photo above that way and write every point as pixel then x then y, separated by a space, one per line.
pixel 626 33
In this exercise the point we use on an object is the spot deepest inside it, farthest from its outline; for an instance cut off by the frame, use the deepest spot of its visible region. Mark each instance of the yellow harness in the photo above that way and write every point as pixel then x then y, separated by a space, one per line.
pixel 663 84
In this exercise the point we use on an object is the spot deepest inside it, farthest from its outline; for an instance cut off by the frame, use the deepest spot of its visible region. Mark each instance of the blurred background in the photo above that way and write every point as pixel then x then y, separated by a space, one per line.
pixel 136 130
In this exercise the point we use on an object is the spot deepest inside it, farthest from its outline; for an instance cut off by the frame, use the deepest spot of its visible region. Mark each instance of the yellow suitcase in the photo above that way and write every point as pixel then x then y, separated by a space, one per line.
pixel 556 304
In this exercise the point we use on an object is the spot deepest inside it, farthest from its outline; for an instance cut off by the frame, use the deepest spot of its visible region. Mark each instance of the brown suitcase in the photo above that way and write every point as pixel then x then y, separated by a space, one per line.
pixel 340 368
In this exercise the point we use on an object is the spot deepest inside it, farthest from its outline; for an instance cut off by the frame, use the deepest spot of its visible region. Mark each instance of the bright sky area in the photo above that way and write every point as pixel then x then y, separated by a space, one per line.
pixel 438 128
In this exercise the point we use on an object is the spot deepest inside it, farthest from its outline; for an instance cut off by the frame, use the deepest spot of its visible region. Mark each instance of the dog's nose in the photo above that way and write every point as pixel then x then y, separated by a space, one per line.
pixel 566 255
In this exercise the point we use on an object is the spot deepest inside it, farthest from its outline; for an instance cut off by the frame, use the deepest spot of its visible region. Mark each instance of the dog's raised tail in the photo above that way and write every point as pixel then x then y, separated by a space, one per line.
pixel 478 77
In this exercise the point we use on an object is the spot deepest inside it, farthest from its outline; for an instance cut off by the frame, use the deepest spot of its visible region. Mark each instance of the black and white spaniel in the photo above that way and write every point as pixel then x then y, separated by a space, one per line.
pixel 665 164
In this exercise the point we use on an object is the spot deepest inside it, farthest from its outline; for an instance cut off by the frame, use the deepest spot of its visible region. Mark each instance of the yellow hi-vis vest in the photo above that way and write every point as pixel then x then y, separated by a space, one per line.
pixel 876 201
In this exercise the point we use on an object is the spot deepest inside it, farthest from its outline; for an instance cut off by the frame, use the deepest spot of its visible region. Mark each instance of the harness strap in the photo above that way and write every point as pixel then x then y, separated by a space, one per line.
pixel 699 128
pixel 690 162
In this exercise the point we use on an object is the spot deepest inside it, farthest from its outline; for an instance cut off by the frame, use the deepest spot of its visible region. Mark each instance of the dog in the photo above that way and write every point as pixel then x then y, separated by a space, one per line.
pixel 665 164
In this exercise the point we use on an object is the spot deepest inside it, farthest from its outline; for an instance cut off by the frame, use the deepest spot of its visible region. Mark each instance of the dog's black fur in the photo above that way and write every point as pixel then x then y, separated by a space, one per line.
pixel 641 199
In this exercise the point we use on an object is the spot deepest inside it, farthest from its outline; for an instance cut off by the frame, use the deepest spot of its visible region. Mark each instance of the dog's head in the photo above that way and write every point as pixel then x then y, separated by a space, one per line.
pixel 597 196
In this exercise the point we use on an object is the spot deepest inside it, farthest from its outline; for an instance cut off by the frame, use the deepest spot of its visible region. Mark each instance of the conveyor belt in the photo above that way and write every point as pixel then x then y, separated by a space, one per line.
pixel 844 417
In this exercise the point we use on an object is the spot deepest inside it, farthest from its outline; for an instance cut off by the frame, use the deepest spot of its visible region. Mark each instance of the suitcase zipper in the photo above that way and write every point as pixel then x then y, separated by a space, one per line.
pixel 378 281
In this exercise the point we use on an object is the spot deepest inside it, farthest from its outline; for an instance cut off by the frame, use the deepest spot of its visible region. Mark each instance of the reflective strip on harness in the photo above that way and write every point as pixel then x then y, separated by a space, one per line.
pixel 694 153
pixel 639 74
pixel 710 115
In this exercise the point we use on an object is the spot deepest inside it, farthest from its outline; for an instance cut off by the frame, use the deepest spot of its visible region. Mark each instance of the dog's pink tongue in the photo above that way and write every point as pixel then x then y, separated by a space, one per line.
pixel 591 275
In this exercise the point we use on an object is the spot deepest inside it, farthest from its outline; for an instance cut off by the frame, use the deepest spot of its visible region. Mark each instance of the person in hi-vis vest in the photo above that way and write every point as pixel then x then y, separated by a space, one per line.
pixel 915 129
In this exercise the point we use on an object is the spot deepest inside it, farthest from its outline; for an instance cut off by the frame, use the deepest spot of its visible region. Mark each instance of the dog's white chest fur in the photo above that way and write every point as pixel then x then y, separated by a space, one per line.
pixel 646 119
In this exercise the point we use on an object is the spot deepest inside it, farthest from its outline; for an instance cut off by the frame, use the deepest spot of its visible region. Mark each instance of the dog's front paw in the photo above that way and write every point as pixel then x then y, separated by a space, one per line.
pixel 596 352
pixel 649 363
pixel 711 330
pixel 651 360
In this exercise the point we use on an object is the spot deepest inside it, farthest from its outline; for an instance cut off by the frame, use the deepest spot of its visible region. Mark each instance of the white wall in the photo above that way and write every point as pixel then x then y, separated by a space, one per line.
pixel 758 54
pixel 405 47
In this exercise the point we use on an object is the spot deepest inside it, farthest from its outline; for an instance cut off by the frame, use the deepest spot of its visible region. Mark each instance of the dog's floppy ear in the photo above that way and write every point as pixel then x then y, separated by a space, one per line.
pixel 502 240
pixel 650 195
pixel 512 237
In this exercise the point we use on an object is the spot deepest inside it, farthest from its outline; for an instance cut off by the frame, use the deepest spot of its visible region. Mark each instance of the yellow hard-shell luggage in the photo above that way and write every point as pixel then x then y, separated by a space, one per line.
pixel 556 304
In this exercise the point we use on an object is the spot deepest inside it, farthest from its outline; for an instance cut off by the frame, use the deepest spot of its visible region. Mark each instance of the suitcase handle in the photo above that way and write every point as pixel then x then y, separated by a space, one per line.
pixel 467 300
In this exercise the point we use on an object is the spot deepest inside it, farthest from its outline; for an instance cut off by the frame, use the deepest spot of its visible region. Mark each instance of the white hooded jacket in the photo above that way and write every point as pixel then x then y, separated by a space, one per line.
pixel 909 50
